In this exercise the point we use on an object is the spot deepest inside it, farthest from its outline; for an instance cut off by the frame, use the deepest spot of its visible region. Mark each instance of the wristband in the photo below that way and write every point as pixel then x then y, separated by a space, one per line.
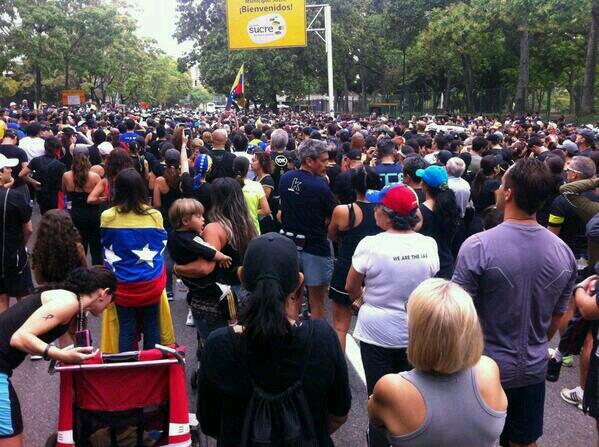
pixel 46 351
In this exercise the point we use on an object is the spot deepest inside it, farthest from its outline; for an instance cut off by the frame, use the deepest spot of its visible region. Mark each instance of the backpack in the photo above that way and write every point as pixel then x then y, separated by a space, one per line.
pixel 279 419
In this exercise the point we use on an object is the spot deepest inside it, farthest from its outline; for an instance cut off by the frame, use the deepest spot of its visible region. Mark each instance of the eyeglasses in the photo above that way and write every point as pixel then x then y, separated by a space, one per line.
pixel 572 170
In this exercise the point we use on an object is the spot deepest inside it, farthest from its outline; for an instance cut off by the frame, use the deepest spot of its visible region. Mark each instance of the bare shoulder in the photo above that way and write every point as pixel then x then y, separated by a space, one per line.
pixel 489 385
pixel 394 388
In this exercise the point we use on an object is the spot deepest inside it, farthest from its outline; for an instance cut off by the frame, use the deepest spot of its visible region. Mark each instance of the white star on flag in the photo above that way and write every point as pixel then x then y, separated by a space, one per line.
pixel 146 255
pixel 111 256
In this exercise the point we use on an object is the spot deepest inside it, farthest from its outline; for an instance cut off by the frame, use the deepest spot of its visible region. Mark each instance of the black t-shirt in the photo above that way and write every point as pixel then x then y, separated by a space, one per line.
pixel 225 388
pixel 222 164
pixel 572 228
pixel 187 246
pixel 48 171
pixel 543 155
pixel 486 197
pixel 342 188
pixel 280 165
pixel 18 213
pixel 94 155
pixel 306 202
pixel 202 194
pixel 333 171
pixel 12 151
pixel 420 194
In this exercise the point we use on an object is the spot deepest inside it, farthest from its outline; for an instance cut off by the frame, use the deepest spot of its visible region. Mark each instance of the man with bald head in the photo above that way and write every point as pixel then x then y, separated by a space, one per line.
pixel 357 141
pixel 222 160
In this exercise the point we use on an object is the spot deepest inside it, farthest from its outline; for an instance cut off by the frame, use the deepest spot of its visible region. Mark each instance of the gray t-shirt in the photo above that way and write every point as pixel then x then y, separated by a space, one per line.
pixel 519 276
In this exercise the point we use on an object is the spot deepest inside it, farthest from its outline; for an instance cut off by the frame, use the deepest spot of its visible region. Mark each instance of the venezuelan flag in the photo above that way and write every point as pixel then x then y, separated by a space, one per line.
pixel 237 90
pixel 133 249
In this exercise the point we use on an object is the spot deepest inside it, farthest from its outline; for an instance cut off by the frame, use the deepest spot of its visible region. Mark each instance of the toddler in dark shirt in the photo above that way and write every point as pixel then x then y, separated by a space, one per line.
pixel 185 243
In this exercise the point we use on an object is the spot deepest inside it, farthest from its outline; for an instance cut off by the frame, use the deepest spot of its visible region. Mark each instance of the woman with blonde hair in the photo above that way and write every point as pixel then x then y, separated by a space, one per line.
pixel 453 395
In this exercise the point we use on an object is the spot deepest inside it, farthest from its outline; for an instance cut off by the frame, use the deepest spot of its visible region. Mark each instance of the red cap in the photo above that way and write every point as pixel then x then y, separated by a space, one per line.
pixel 401 199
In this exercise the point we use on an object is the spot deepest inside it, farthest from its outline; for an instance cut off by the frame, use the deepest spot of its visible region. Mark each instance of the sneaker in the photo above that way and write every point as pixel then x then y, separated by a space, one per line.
pixel 189 322
pixel 553 370
pixel 35 357
pixel 573 396
pixel 567 361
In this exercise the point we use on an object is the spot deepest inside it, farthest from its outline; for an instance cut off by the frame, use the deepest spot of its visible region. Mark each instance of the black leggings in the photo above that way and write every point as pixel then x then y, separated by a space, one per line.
pixel 87 222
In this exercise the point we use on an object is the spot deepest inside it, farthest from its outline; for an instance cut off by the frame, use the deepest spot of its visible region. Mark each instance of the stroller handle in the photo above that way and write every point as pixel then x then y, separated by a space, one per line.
pixel 171 351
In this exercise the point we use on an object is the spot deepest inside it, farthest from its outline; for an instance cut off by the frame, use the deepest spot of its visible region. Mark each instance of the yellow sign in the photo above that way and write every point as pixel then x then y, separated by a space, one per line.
pixel 255 24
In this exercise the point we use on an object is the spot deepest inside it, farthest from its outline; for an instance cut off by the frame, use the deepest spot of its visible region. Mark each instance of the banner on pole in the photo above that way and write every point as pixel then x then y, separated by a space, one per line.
pixel 73 97
pixel 255 24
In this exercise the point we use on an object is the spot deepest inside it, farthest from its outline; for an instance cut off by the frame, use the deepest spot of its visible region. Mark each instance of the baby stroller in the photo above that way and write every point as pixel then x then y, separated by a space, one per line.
pixel 131 399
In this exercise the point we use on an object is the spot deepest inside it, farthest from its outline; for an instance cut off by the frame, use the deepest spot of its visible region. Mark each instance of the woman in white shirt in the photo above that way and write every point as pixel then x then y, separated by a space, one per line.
pixel 390 265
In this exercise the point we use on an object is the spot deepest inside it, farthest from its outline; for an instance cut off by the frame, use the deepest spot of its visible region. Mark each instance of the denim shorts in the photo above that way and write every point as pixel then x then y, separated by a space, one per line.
pixel 317 270
pixel 11 423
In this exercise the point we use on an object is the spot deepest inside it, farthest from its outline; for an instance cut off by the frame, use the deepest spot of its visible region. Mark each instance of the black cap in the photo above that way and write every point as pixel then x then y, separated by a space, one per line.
pixel 271 256
pixel 354 154
pixel 172 157
pixel 443 157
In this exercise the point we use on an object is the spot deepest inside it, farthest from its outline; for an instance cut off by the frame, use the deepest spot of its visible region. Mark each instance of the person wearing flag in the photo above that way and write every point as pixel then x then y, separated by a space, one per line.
pixel 134 239
pixel 237 90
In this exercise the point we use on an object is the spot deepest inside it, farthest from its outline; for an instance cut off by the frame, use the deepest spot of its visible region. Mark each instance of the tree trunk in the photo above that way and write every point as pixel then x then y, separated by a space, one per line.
pixel 587 104
pixel 66 73
pixel 522 88
pixel 467 67
pixel 571 93
pixel 38 84
pixel 446 97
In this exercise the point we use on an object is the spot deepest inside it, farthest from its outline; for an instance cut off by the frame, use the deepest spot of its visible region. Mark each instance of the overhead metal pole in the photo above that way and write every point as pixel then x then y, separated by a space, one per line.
pixel 328 40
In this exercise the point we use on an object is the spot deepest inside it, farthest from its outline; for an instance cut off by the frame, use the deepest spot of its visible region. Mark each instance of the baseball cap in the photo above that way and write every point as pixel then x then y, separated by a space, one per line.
pixel 396 196
pixel 271 256
pixel 570 147
pixel 354 154
pixel 443 157
pixel 172 157
pixel 105 148
pixel 8 162
pixel 81 149
pixel 587 133
pixel 433 176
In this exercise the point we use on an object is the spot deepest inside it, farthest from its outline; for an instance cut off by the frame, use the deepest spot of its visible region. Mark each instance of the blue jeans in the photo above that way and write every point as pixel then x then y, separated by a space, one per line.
pixel 150 326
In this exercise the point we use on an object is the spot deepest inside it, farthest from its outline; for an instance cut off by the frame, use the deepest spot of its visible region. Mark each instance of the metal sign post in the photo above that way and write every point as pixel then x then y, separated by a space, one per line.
pixel 325 10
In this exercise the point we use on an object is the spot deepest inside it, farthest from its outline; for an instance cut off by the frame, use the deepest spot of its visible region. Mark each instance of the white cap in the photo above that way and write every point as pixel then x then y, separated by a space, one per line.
pixel 12 104
pixel 8 162
pixel 105 148
pixel 81 123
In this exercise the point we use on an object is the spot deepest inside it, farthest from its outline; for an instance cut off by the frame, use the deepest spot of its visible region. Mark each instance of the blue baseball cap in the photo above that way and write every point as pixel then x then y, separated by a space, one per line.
pixel 433 176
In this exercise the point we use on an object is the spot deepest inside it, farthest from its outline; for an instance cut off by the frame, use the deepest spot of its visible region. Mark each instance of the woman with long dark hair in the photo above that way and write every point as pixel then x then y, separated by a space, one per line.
pixel 103 192
pixel 77 184
pixel 349 225
pixel 272 352
pixel 440 215
pixel 134 239
pixel 262 167
pixel 230 231
pixel 486 182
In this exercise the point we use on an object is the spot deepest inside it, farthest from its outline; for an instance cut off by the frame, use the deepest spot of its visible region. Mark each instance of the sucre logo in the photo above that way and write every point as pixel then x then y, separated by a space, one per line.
pixel 266 29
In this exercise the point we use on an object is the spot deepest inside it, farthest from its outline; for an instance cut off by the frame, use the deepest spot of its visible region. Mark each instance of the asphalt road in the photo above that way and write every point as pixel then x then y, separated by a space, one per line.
pixel 565 425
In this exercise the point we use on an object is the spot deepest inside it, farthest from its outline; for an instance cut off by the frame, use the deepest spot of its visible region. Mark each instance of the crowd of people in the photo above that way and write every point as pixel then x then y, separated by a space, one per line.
pixel 460 245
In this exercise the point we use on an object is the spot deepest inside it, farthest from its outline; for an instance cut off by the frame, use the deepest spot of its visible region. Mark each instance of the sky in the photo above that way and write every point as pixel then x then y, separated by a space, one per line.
pixel 157 19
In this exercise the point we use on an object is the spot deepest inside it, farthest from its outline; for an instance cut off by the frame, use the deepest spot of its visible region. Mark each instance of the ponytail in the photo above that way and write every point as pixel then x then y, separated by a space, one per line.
pixel 265 319
pixel 241 166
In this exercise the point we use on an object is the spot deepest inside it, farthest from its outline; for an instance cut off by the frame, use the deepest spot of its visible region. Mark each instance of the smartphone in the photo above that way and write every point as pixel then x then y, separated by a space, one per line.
pixel 187 132
pixel 83 338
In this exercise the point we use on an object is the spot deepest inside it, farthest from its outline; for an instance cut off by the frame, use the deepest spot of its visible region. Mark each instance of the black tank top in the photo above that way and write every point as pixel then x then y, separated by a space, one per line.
pixel 10 321
pixel 349 239
pixel 166 201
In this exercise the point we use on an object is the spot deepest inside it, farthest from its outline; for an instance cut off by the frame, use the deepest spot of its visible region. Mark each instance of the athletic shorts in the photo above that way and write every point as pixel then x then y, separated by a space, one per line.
pixel 17 285
pixel 317 270
pixel 524 420
pixel 11 423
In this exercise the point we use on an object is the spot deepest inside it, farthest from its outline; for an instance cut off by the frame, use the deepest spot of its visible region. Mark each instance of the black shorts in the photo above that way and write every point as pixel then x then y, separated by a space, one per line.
pixel 17 285
pixel 524 421
pixel 590 404
pixel 11 422
pixel 337 291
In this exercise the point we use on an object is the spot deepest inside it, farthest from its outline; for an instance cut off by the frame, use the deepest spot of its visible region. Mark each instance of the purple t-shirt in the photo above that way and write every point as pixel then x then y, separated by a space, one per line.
pixel 519 276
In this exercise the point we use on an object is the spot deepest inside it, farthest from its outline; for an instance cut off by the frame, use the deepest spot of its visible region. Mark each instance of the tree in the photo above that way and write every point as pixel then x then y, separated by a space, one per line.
pixel 588 93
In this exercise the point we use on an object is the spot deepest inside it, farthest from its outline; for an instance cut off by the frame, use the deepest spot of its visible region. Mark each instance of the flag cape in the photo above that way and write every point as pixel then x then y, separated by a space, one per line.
pixel 133 249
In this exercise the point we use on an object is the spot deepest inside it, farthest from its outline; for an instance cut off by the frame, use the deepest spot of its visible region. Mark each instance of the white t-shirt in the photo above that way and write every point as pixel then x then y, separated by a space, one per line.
pixel 393 265
pixel 33 147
